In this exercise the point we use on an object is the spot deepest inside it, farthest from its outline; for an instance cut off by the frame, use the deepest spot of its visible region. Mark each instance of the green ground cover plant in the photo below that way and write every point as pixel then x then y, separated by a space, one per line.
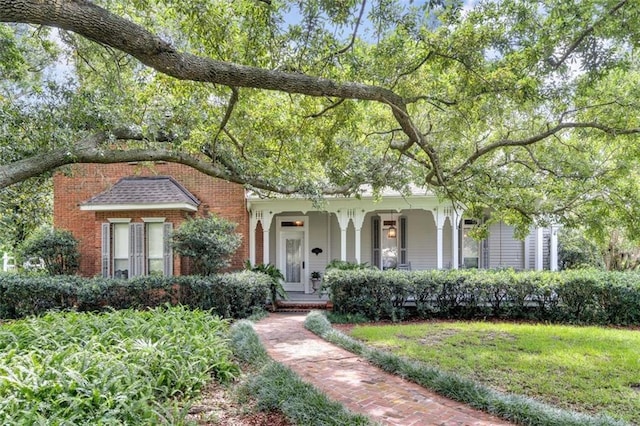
pixel 514 407
pixel 119 367
pixel 587 369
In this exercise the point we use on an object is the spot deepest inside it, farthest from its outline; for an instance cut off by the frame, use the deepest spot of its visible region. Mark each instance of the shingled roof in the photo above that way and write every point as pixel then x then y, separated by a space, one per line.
pixel 143 193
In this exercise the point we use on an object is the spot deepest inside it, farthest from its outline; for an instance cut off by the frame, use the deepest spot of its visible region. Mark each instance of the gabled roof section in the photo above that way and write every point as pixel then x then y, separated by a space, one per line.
pixel 143 193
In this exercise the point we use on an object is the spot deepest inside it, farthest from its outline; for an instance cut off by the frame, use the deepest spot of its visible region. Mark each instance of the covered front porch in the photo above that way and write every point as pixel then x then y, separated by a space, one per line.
pixel 418 232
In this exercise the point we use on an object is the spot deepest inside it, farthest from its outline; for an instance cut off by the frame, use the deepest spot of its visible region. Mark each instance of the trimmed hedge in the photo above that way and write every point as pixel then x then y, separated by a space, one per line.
pixel 234 295
pixel 577 296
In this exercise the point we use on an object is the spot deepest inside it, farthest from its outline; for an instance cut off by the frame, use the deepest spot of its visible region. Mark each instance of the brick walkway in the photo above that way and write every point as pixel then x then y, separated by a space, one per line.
pixel 358 385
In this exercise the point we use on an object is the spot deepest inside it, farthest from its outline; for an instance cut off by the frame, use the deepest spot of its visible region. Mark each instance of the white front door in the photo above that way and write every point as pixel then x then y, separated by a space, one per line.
pixel 292 259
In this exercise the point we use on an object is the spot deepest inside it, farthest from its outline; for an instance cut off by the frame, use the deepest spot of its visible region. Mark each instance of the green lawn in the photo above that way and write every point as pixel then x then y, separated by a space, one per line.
pixel 588 369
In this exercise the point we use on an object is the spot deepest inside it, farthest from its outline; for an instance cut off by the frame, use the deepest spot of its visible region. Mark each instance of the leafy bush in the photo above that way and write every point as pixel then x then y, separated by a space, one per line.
pixel 580 296
pixel 57 248
pixel 370 292
pixel 29 295
pixel 233 295
pixel 236 295
pixel 276 288
pixel 576 250
pixel 208 241
pixel 120 367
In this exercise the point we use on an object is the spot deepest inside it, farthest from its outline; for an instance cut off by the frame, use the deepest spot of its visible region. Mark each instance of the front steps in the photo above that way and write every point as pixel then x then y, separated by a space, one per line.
pixel 302 306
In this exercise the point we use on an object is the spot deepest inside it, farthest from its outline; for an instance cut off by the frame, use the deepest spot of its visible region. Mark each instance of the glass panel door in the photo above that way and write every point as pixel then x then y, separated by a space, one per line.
pixel 292 260
pixel 293 272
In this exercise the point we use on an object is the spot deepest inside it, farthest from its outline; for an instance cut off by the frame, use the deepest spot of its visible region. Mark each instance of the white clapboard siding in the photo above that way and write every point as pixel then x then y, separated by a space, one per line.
pixel 504 249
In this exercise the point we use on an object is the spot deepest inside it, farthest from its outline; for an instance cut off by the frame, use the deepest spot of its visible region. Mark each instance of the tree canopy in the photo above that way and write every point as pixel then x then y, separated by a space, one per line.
pixel 527 107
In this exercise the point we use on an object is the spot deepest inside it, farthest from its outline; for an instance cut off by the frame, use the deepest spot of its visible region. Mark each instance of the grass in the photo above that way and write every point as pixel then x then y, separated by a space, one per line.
pixel 516 408
pixel 587 369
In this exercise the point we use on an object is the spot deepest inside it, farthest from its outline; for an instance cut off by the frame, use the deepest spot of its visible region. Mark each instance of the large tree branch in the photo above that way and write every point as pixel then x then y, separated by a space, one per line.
pixel 537 138
pixel 98 24
pixel 556 63
pixel 92 149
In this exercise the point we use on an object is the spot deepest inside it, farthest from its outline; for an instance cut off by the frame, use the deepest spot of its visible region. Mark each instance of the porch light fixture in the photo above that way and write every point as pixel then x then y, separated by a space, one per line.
pixel 391 233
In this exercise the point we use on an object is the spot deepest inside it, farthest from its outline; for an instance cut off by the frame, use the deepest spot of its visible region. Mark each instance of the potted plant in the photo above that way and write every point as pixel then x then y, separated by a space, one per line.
pixel 316 277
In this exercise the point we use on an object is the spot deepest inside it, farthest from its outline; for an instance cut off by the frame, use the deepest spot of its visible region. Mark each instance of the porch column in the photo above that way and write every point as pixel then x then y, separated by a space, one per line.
pixel 455 235
pixel 527 252
pixel 343 222
pixel 539 249
pixel 253 225
pixel 358 219
pixel 553 252
pixel 266 225
pixel 440 217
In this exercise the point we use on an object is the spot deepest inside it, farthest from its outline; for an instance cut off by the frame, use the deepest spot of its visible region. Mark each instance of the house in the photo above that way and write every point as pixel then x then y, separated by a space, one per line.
pixel 123 214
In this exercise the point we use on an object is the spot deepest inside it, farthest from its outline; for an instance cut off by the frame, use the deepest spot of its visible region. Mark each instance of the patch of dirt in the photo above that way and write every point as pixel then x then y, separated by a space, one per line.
pixel 218 405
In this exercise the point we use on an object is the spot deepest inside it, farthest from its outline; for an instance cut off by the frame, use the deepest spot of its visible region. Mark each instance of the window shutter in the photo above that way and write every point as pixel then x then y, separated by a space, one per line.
pixel 168 250
pixel 404 259
pixel 136 249
pixel 106 250
pixel 375 241
pixel 484 249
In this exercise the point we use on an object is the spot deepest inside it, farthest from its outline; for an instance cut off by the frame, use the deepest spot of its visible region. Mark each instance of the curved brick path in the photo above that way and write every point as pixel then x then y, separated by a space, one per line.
pixel 358 385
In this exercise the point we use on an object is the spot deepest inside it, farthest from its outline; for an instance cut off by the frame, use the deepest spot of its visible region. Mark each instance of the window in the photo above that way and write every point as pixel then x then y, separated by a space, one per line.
pixel 389 251
pixel 470 246
pixel 375 241
pixel 155 248
pixel 139 248
pixel 120 250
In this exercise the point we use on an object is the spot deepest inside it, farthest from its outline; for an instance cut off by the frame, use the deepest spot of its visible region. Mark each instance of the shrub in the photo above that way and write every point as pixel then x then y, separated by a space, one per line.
pixel 233 295
pixel 21 296
pixel 57 248
pixel 276 289
pixel 209 242
pixel 369 292
pixel 581 296
pixel 576 250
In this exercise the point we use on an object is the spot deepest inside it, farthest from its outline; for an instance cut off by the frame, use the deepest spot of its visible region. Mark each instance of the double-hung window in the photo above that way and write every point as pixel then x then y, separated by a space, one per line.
pixel 470 246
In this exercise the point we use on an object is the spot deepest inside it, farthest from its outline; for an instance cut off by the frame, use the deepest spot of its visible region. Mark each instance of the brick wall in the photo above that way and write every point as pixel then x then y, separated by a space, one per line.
pixel 81 182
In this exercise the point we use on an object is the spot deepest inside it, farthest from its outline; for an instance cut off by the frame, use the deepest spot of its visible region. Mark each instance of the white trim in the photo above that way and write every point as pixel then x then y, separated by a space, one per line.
pixel 119 220
pixel 553 251
pixel 539 263
pixel 138 206
pixel 153 219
